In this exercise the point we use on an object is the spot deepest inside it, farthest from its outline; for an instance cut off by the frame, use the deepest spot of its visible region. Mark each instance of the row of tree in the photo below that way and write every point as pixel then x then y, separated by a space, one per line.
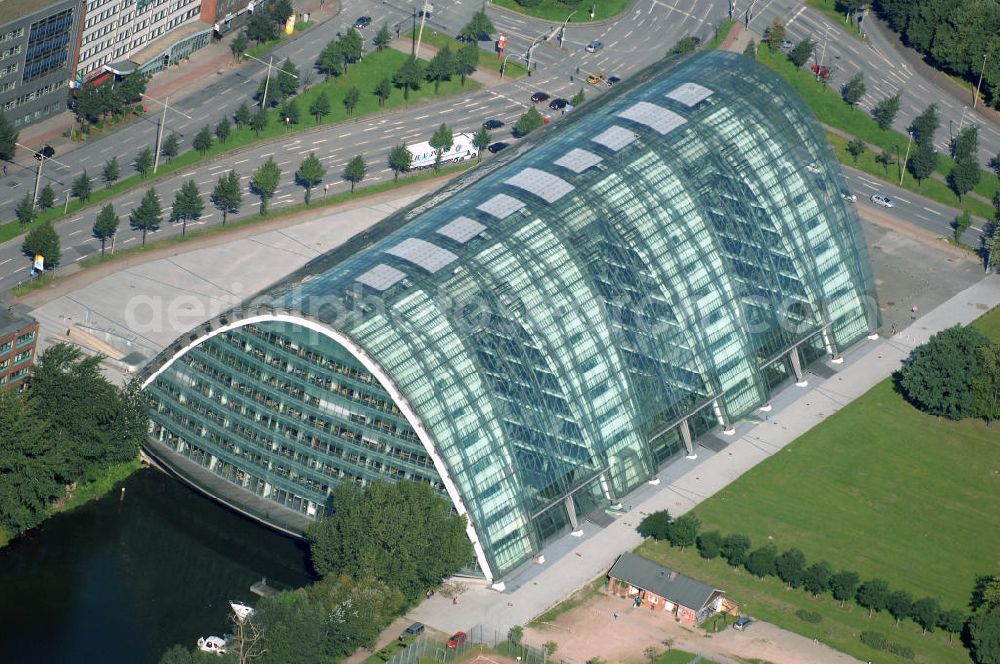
pixel 68 424
pixel 983 635
pixel 94 103
pixel 790 566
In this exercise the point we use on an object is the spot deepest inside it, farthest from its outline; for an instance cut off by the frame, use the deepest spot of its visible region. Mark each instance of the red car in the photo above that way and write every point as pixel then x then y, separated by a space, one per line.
pixel 456 640
pixel 821 72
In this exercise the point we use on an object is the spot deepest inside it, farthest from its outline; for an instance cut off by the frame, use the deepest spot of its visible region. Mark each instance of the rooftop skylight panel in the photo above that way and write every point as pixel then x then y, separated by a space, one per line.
pixel 546 186
pixel 501 206
pixel 461 229
pixel 690 94
pixel 655 117
pixel 578 160
pixel 422 253
pixel 381 277
pixel 615 137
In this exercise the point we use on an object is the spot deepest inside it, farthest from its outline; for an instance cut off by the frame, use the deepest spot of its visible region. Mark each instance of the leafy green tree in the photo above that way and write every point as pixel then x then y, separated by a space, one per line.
pixel 239 46
pixel 374 605
pixel 111 172
pixel 382 38
pixel 25 210
pixel 261 27
pixel 144 162
pixel 281 10
pixel 441 67
pixel 937 378
pixel 203 140
pixel 82 186
pixel 986 384
pixel 856 147
pixel 46 197
pixel 984 637
pixel 132 87
pixel 400 159
pixel 441 140
pixel 735 549
pixel 761 562
pixel 751 50
pixel 683 532
pixel 331 60
pixel 106 225
pixel 259 121
pixel 886 159
pixel 923 161
pixel 227 195
pixel 383 90
pixel 775 34
pixel 854 89
pixel 655 525
pixel 965 175
pixel 991 238
pixel 222 130
pixel 686 44
pixel 925 125
pixel 188 204
pixel 355 170
pixel 995 165
pixel 479 27
pixel 791 567
pixel 900 604
pixel 419 540
pixel 885 111
pixel 44 240
pixel 310 174
pixel 148 216
pixel 352 45
pixel 32 462
pixel 177 654
pixel 873 595
pixel 8 138
pixel 289 110
pixel 926 612
pixel 351 98
pixel 817 578
pixel 288 78
pixel 952 622
pixel 265 182
pixel 578 98
pixel 844 585
pixel 242 116
pixel 320 106
pixel 481 141
pixel 802 51
pixel 408 76
pixel 528 122
pixel 171 146
pixel 709 544
pixel 466 60
pixel 961 224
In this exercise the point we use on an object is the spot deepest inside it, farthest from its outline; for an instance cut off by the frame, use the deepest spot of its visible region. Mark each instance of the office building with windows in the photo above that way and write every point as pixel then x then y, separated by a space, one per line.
pixel 540 336
pixel 18 336
pixel 37 57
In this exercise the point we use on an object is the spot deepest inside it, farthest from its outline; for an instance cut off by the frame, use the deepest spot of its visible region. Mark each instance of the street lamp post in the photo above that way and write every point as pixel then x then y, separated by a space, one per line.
pixel 41 164
pixel 503 65
pixel 531 50
pixel 163 121
pixel 902 171
pixel 267 77
pixel 562 33
pixel 981 72
pixel 420 33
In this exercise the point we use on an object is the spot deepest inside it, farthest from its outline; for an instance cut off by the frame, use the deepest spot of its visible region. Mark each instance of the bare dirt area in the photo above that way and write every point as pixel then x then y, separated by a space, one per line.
pixel 592 630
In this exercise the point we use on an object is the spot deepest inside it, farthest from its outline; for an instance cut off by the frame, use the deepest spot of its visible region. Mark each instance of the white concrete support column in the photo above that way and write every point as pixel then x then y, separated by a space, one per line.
pixel 793 355
pixel 721 419
pixel 605 487
pixel 830 350
pixel 686 437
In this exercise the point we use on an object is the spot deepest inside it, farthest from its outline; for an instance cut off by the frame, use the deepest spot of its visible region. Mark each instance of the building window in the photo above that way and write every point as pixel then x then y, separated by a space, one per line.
pixel 25 338
pixel 22 357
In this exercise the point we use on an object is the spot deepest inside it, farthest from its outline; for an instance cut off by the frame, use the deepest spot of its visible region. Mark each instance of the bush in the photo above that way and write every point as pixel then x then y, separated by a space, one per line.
pixel 760 563
pixel 937 378
pixel 515 635
pixel 709 544
pixel 551 646
pixel 876 640
pixel 683 532
pixel 899 650
pixel 655 525
pixel 809 616
pixel 735 548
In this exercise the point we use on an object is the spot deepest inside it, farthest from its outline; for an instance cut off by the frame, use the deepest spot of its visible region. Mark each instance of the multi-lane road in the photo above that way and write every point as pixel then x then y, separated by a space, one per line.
pixel 638 38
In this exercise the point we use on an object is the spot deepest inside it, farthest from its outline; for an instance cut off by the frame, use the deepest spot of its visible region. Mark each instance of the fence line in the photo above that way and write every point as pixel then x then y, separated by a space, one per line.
pixel 425 649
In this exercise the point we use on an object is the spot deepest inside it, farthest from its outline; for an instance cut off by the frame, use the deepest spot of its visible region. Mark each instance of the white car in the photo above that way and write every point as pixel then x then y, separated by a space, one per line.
pixel 594 46
pixel 882 200
pixel 848 196
pixel 814 168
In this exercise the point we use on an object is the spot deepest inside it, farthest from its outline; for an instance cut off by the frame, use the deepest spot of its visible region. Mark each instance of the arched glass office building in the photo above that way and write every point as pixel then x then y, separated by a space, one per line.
pixel 538 337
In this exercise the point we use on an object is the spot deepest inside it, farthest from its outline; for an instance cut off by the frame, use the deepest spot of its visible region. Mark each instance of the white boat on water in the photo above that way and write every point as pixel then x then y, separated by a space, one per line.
pixel 215 644
pixel 240 610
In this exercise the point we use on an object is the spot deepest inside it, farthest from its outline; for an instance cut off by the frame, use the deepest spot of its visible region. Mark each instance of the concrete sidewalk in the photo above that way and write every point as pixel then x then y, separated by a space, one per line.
pixel 682 485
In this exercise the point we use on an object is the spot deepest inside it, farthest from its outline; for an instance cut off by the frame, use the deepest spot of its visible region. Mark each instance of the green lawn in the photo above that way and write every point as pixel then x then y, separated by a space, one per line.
pixel 829 8
pixel 487 59
pixel 554 10
pixel 365 75
pixel 675 657
pixel 879 488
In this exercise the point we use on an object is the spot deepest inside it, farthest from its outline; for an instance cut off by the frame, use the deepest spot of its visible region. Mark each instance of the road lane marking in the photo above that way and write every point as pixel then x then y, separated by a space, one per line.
pixel 930 210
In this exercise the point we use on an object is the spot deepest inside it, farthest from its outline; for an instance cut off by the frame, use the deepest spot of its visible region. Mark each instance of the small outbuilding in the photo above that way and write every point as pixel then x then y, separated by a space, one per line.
pixel 660 588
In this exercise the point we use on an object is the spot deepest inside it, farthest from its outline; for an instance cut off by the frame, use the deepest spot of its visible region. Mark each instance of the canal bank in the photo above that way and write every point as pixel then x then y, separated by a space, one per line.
pixel 121 579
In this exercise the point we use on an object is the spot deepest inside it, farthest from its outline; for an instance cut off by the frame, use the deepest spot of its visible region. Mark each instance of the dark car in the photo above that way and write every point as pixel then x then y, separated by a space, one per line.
pixel 742 623
pixel 540 96
pixel 613 79
pixel 363 22
pixel 416 629
pixel 492 124
pixel 496 147
pixel 558 103
pixel 424 13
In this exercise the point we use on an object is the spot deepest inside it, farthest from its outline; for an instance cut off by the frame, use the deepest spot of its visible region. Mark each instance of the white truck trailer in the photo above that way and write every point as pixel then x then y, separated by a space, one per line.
pixel 423 155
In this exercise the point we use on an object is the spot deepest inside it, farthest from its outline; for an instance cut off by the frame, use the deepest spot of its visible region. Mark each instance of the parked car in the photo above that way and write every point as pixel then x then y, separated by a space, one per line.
pixel 558 103
pixel 613 79
pixel 456 640
pixel 742 623
pixel 594 46
pixel 363 22
pixel 496 147
pixel 786 45
pixel 849 196
pixel 416 629
pixel 492 124
pixel 596 78
pixel 425 13
pixel 540 96
pixel 882 200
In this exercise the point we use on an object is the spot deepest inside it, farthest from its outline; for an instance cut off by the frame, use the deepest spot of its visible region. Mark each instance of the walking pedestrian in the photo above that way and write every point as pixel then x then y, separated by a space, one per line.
pixel 5 169
pixel 616 616
pixel 892 331
pixel 326 189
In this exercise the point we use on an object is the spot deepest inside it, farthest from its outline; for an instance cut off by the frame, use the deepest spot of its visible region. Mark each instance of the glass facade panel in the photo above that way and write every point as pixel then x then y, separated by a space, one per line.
pixel 543 326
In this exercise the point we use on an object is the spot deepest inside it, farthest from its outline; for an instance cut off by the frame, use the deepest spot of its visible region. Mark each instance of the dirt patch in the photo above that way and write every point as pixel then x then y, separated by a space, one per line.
pixel 614 630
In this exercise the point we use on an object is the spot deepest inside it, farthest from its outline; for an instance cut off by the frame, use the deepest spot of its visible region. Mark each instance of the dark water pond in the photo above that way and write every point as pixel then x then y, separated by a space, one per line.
pixel 121 580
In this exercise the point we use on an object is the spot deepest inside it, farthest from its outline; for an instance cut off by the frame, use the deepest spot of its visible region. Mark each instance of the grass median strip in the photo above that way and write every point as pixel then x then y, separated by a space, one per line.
pixel 487 59
pixel 556 10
